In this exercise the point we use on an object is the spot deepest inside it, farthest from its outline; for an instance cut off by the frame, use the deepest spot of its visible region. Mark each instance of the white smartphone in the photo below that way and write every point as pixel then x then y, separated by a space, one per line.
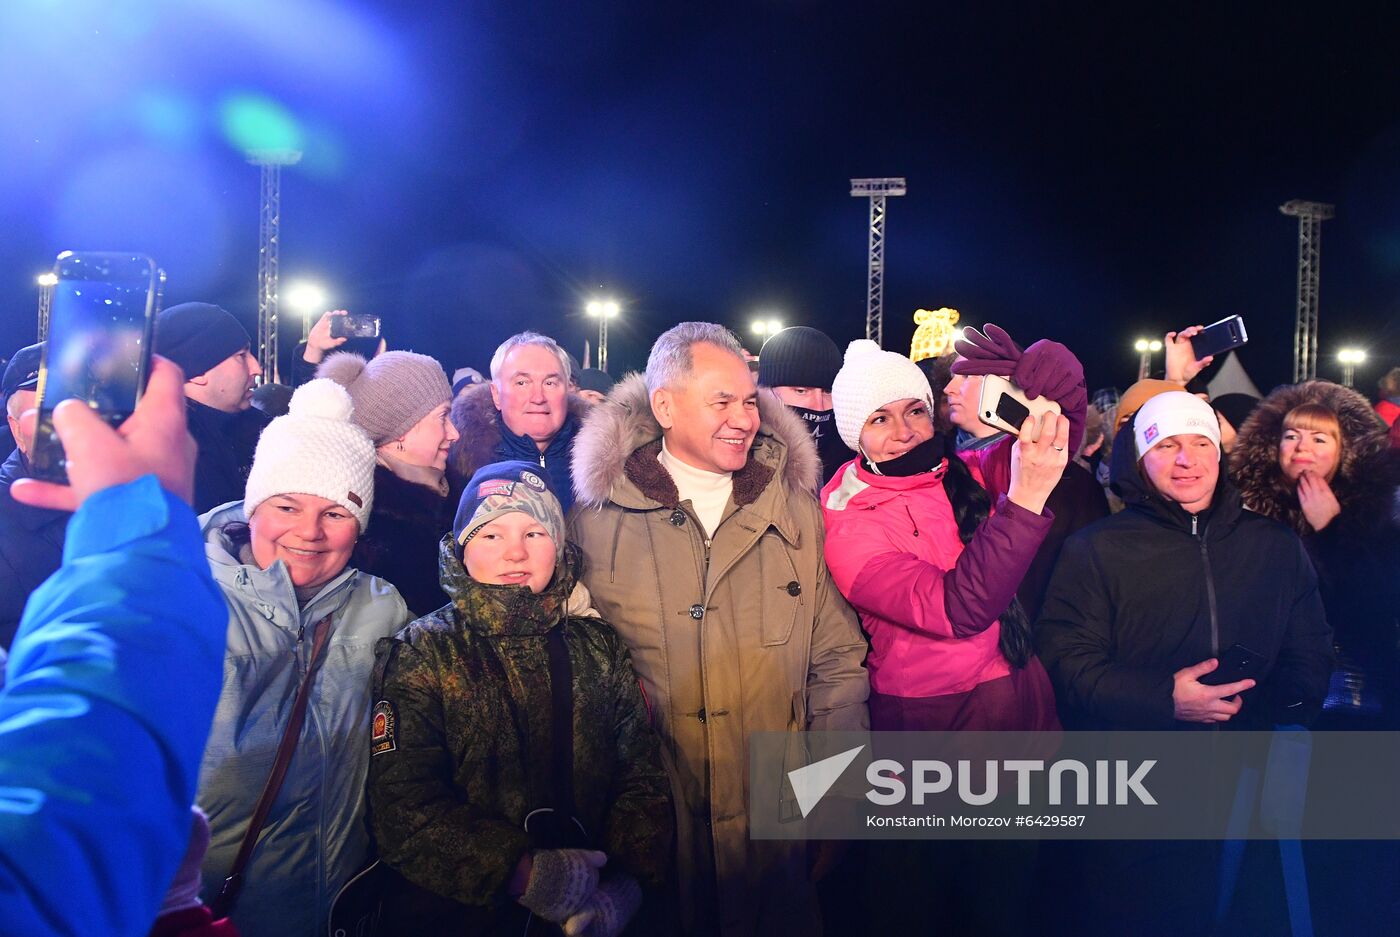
pixel 1005 406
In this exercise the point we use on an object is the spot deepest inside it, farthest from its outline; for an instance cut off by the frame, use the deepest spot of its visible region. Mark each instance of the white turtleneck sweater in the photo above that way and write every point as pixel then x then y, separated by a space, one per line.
pixel 707 492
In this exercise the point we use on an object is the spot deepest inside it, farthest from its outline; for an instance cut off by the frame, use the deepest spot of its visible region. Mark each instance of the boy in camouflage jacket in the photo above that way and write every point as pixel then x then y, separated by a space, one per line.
pixel 461 745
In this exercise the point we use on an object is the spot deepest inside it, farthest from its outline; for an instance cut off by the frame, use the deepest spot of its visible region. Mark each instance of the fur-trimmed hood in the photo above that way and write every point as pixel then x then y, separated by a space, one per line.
pixel 622 426
pixel 1366 479
pixel 475 415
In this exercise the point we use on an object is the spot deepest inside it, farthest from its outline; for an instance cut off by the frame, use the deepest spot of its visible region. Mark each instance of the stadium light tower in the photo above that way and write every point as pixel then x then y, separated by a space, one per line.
pixel 47 281
pixel 603 310
pixel 1310 217
pixel 269 239
pixel 1146 347
pixel 877 190
pixel 1350 358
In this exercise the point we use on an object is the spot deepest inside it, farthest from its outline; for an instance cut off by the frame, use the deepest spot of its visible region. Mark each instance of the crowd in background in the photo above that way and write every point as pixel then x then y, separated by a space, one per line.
pixel 492 646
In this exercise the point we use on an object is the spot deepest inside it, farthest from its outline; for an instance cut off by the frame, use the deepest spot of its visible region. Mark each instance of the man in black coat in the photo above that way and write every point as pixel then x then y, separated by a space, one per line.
pixel 1139 610
pixel 212 348
pixel 31 539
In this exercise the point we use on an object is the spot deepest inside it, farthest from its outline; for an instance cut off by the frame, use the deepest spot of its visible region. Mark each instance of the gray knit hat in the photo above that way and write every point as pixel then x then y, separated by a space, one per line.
pixel 392 392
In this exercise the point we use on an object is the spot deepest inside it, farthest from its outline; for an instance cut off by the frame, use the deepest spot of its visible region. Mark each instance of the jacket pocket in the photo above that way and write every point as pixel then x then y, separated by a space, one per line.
pixel 781 600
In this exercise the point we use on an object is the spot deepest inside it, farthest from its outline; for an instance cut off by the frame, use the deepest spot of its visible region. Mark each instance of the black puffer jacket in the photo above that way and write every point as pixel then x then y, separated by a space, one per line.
pixel 1357 555
pixel 400 545
pixel 1140 595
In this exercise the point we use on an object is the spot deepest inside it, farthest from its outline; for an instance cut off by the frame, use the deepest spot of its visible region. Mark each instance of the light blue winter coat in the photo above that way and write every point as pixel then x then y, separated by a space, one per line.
pixel 112 679
pixel 315 836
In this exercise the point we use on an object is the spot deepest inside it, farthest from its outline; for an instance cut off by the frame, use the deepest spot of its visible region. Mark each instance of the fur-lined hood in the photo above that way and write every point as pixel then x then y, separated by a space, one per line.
pixel 475 415
pixel 1366 479
pixel 622 426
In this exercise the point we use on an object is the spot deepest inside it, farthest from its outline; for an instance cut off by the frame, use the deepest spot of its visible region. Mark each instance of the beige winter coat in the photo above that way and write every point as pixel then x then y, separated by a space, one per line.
pixel 744 634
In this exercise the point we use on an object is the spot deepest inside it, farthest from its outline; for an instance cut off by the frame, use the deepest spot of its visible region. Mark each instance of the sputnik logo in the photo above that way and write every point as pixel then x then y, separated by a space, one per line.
pixel 811 783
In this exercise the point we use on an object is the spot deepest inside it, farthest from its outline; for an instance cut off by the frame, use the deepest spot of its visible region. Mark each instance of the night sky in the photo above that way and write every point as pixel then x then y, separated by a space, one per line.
pixel 471 169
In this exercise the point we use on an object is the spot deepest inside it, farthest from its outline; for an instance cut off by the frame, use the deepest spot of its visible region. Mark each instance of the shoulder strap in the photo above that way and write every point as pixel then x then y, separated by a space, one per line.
pixel 222 906
pixel 561 692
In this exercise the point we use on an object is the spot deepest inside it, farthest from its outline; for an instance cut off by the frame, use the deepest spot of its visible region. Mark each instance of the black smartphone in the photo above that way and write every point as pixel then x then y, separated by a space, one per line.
pixel 98 349
pixel 1220 337
pixel 1237 662
pixel 352 326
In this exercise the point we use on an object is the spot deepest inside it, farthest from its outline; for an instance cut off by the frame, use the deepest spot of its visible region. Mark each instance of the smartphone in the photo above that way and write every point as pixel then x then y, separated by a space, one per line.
pixel 1219 337
pixel 1005 406
pixel 352 326
pixel 98 348
pixel 1237 662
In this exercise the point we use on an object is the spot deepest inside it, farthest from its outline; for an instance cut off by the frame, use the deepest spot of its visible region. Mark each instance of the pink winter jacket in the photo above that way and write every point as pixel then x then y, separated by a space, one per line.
pixel 929 604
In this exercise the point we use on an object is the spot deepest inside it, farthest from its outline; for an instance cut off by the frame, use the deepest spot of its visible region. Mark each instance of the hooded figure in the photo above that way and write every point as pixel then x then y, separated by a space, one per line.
pixel 712 572
pixel 1315 457
pixel 464 747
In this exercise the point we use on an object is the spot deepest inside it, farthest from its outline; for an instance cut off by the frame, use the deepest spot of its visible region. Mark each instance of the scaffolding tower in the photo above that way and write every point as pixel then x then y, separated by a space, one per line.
pixel 269 223
pixel 876 190
pixel 1310 217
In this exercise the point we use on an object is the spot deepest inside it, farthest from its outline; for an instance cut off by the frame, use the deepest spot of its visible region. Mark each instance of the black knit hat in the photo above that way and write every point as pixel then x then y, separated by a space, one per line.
pixel 1235 407
pixel 22 373
pixel 197 336
pixel 593 379
pixel 798 357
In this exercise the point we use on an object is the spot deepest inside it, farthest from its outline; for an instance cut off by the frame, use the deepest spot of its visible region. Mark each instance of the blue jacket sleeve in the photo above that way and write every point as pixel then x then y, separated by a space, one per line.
pixel 111 686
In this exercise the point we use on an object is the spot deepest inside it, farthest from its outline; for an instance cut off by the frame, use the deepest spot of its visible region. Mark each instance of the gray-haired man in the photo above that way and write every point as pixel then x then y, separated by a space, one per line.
pixel 703 548
pixel 524 412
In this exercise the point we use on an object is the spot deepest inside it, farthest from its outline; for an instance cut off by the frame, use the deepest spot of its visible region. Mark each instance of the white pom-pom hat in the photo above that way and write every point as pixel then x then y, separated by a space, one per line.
pixel 315 450
pixel 869 379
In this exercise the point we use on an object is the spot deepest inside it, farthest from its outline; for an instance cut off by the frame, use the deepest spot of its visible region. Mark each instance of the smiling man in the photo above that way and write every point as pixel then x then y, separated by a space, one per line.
pixel 524 412
pixel 702 542
pixel 212 348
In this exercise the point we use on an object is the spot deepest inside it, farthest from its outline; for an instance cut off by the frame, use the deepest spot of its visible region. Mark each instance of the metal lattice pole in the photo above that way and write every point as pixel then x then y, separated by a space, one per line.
pixel 1310 216
pixel 269 238
pixel 876 190
pixel 47 281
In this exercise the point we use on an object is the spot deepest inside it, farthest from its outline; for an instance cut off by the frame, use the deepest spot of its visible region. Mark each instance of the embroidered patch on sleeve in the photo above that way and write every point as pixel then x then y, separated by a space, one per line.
pixel 383 728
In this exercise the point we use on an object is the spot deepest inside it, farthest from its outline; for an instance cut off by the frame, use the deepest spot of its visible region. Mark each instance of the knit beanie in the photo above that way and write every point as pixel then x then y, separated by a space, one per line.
pixel 503 487
pixel 315 450
pixel 197 336
pixel 798 357
pixel 868 380
pixel 1137 395
pixel 1175 413
pixel 1235 407
pixel 593 379
pixel 391 393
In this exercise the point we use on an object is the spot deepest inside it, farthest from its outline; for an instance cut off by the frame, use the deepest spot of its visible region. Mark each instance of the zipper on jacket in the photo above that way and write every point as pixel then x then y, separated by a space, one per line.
pixel 1210 587
pixel 911 519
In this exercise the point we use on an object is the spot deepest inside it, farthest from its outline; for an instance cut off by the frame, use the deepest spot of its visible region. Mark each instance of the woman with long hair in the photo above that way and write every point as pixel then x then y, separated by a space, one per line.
pixel 1315 456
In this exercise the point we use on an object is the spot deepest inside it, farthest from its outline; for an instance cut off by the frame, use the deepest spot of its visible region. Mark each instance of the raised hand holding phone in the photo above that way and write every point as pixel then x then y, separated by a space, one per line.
pixel 1038 460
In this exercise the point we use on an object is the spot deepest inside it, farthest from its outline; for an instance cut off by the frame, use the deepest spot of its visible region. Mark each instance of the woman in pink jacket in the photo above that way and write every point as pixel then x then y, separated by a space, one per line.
pixel 931 559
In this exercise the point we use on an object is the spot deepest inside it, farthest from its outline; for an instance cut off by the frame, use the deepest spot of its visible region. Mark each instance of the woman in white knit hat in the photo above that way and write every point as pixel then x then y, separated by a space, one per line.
pixel 401 402
pixel 931 565
pixel 296 606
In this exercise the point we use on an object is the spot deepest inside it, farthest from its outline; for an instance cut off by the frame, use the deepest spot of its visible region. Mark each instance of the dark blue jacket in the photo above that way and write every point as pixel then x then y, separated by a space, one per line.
pixel 31 546
pixel 110 690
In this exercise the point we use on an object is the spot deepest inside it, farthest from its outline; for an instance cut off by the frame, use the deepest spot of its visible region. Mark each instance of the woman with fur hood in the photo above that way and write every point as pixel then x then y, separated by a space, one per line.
pixel 401 401
pixel 1314 455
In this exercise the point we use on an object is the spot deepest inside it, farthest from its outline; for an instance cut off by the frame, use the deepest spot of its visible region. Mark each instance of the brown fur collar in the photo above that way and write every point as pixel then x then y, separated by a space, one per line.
pixel 620 439
pixel 475 415
pixel 1365 482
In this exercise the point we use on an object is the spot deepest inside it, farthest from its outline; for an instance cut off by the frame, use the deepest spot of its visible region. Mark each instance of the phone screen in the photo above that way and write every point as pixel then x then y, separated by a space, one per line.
pixel 98 346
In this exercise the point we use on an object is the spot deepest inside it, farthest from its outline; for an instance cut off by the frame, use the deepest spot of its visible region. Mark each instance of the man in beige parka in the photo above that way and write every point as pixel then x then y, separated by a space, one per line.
pixel 702 541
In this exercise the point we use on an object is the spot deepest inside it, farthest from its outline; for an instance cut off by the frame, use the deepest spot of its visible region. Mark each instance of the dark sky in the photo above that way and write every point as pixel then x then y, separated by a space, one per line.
pixel 475 168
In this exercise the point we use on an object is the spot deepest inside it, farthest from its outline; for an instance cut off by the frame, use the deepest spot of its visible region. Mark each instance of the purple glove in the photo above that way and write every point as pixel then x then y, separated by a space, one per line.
pixel 992 353
pixel 1046 369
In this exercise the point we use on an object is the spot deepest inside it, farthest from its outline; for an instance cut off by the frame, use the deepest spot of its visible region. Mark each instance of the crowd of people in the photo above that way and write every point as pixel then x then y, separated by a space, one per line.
pixel 484 654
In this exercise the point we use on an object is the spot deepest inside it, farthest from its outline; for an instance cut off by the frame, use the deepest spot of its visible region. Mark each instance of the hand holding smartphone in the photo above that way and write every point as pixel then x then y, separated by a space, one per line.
pixel 98 348
pixel 354 326
pixel 1004 406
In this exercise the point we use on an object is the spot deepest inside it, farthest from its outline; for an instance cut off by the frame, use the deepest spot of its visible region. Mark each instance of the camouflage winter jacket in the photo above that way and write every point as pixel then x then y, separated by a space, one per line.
pixel 461 746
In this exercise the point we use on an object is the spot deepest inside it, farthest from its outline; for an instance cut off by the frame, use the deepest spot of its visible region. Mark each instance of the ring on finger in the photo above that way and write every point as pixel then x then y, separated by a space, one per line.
pixel 1058 448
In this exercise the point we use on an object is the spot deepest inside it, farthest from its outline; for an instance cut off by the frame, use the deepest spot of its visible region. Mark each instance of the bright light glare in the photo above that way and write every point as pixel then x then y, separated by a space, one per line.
pixel 1141 345
pixel 604 308
pixel 47 279
pixel 1351 356
pixel 1155 345
pixel 305 297
pixel 774 326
